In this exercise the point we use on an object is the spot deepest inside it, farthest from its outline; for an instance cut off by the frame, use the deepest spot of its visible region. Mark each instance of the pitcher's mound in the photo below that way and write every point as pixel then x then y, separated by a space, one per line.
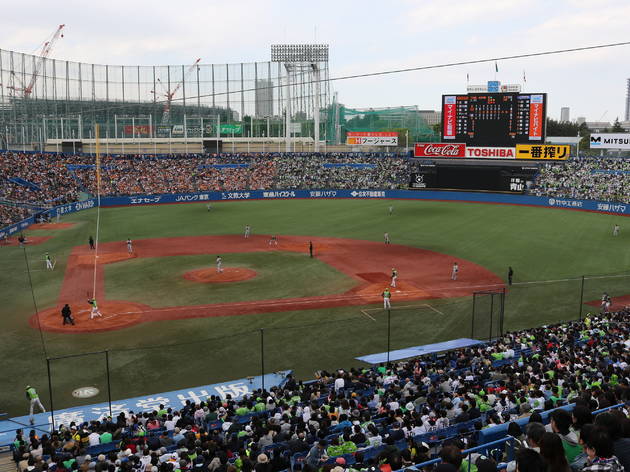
pixel 211 276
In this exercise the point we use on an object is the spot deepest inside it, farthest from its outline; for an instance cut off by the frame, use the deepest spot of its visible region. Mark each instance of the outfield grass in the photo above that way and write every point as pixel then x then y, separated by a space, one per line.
pixel 540 244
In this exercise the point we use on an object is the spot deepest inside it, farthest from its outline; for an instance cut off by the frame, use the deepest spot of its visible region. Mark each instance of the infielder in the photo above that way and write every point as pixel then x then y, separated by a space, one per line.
pixel 616 230
pixel 454 271
pixel 129 246
pixel 394 277
pixel 49 264
pixel 248 230
pixel 386 237
pixel 219 265
pixel 273 240
pixel 95 311
pixel 386 299
pixel 33 398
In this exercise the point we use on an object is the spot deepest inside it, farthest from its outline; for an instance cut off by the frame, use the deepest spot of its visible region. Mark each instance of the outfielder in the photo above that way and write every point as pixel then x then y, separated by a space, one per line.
pixel 95 311
pixel 386 299
pixel 219 265
pixel 129 246
pixel 391 210
pixel 248 230
pixel 49 264
pixel 616 230
pixel 386 237
pixel 33 398
pixel 454 271
pixel 394 277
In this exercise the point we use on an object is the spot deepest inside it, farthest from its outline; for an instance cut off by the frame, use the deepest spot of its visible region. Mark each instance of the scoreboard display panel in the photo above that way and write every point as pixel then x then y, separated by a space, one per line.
pixel 494 119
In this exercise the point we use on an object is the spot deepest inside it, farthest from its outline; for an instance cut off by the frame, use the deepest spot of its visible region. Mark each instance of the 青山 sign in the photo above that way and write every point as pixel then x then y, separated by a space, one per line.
pixel 543 152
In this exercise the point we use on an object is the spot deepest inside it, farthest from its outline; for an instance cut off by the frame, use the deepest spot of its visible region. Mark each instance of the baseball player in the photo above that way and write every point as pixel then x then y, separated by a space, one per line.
pixel 273 240
pixel 219 265
pixel 33 398
pixel 248 230
pixel 616 230
pixel 386 237
pixel 91 242
pixel 49 263
pixel 454 271
pixel 129 246
pixel 209 207
pixel 95 311
pixel 386 298
pixel 391 210
pixel 394 277
pixel 510 275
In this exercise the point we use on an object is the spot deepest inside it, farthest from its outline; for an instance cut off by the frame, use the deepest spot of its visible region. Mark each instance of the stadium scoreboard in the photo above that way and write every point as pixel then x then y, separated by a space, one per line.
pixel 494 119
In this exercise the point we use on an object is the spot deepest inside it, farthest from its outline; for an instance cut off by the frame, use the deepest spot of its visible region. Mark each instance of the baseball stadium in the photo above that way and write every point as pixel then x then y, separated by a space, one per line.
pixel 223 264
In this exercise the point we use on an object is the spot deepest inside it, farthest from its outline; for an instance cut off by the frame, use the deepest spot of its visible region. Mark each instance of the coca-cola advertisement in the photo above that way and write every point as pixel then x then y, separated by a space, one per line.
pixel 440 150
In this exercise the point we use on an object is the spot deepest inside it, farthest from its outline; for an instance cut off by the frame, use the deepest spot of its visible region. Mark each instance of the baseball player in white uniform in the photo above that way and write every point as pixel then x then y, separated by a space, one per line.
pixel 248 230
pixel 386 237
pixel 394 277
pixel 95 311
pixel 219 265
pixel 129 246
pixel 454 271
pixel 616 230
pixel 391 210
pixel 49 264
pixel 386 298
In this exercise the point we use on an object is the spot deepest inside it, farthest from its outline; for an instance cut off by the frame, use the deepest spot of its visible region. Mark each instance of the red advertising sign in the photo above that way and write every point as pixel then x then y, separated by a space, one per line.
pixel 450 117
pixel 536 117
pixel 137 130
pixel 439 150
pixel 353 134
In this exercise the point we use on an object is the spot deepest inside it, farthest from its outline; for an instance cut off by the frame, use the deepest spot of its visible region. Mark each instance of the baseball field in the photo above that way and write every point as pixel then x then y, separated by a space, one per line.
pixel 171 321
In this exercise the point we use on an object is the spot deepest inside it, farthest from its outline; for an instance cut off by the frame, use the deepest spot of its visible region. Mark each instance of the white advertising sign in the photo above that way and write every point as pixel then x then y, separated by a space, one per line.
pixel 610 141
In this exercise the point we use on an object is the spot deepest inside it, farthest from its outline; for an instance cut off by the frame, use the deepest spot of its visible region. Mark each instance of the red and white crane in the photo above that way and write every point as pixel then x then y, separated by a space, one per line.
pixel 44 52
pixel 170 94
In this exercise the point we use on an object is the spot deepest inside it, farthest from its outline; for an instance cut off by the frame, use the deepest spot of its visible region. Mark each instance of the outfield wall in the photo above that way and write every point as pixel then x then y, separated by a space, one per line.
pixel 440 195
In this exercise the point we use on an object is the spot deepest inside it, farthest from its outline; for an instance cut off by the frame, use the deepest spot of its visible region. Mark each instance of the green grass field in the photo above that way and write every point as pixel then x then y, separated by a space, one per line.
pixel 554 246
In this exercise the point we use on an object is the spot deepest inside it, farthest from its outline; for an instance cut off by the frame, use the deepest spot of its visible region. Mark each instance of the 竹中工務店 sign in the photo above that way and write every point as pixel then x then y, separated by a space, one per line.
pixel 372 138
pixel 543 152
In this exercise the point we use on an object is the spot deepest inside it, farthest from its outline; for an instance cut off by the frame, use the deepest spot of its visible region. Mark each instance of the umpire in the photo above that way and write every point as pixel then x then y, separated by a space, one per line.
pixel 510 275
pixel 67 315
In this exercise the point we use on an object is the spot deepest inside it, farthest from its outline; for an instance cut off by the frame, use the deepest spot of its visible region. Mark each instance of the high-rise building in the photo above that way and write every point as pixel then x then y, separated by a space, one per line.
pixel 628 100
pixel 565 113
pixel 264 98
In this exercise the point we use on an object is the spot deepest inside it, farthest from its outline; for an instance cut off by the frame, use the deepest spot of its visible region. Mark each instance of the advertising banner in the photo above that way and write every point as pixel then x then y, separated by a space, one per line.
pixel 610 141
pixel 372 138
pixel 137 130
pixel 449 117
pixel 543 152
pixel 536 117
pixel 439 150
pixel 490 152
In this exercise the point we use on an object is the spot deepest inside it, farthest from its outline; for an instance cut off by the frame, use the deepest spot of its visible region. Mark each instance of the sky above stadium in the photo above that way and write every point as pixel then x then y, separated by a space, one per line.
pixel 364 36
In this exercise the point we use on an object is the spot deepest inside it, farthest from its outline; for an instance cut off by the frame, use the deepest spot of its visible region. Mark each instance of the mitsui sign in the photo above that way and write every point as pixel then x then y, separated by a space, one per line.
pixel 610 141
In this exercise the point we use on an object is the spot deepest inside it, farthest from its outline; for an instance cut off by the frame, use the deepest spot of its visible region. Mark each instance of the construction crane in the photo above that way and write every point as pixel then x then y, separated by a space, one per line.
pixel 170 94
pixel 45 51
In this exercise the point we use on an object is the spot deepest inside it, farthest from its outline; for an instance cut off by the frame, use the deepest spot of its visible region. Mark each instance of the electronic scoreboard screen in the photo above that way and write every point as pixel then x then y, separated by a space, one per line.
pixel 494 119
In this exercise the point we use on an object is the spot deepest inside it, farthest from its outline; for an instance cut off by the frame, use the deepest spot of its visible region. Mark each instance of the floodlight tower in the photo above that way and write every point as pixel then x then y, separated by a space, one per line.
pixel 301 57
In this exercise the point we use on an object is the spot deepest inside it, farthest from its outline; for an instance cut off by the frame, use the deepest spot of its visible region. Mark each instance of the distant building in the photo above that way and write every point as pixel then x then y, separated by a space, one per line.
pixel 565 113
pixel 264 98
pixel 599 126
pixel 431 117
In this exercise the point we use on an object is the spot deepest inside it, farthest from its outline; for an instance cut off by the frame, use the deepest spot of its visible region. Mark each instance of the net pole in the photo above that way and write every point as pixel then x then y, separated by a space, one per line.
pixel 98 202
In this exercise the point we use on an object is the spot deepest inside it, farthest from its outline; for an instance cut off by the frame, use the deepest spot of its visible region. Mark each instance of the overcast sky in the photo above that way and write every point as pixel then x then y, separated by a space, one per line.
pixel 364 36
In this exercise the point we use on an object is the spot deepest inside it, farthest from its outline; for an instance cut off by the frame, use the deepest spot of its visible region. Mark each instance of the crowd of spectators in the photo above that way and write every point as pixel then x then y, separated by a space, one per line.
pixel 10 214
pixel 588 178
pixel 388 417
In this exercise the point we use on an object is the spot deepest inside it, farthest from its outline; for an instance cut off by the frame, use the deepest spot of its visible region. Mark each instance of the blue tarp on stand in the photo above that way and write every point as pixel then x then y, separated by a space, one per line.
pixel 419 350
pixel 176 399
pixel 23 183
